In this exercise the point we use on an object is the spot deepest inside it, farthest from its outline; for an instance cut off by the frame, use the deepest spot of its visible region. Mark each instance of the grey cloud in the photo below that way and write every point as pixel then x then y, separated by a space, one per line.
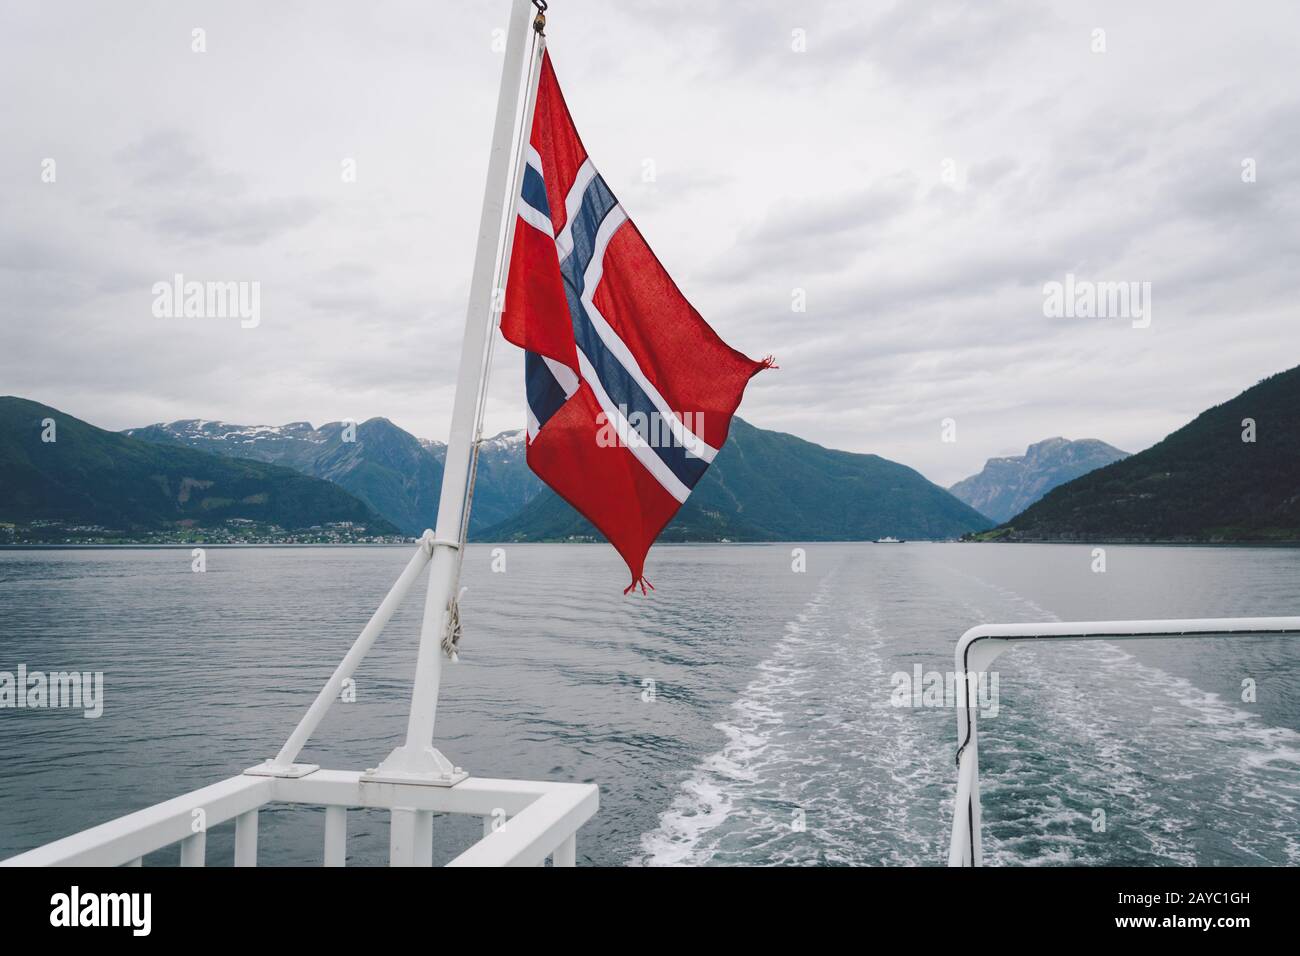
pixel 179 193
pixel 803 237
pixel 170 157
pixel 778 169
pixel 233 220
pixel 947 41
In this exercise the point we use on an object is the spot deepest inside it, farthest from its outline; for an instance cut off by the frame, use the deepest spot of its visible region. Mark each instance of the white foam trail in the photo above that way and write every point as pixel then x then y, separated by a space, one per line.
pixel 818 766
pixel 707 796
pixel 1082 726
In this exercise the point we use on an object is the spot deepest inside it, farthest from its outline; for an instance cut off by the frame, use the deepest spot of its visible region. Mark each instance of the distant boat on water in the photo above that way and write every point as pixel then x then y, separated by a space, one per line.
pixel 889 540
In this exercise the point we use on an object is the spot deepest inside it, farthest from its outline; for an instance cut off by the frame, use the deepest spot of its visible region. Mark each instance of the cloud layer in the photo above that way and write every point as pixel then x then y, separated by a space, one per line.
pixel 916 172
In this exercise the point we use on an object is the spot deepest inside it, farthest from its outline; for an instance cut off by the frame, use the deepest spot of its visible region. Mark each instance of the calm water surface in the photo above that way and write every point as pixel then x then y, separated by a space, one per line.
pixel 771 697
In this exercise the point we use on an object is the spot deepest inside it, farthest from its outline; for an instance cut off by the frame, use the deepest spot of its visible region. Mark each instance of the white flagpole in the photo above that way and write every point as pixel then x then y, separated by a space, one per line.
pixel 418 761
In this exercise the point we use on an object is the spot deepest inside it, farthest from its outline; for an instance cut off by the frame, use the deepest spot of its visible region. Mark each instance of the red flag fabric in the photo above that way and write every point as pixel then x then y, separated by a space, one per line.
pixel 630 392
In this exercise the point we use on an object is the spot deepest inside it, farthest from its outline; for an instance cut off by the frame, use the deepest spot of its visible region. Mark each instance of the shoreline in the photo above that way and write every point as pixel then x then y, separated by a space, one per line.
pixel 172 546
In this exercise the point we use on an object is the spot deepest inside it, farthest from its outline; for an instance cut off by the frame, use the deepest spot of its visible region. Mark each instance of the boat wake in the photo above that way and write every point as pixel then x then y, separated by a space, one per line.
pixel 1096 756
pixel 818 767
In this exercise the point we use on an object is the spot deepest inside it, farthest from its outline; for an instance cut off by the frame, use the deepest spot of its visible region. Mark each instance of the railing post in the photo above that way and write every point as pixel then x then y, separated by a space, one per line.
pixel 336 836
pixel 966 814
pixel 967 847
pixel 410 837
pixel 423 838
pixel 246 839
pixel 566 854
pixel 194 848
pixel 976 811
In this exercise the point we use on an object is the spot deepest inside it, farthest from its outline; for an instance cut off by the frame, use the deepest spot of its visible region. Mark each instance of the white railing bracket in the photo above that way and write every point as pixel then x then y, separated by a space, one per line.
pixel 426 766
pixel 269 768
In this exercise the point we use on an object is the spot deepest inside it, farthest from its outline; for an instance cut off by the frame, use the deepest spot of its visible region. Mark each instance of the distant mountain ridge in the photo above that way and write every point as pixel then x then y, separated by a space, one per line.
pixel 395 473
pixel 399 476
pixel 1007 486
pixel 770 486
pixel 93 477
pixel 764 485
pixel 1201 483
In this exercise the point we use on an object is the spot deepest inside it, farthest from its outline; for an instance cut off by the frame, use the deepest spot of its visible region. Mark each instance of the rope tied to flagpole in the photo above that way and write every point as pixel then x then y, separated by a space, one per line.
pixel 451 639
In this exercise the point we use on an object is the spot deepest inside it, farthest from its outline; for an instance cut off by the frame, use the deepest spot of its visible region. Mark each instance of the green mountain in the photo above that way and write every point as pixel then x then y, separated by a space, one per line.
pixel 392 471
pixel 1202 483
pixel 770 486
pixel 88 476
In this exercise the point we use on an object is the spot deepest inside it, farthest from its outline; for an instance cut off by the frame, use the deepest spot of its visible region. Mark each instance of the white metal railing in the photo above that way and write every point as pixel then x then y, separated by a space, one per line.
pixel 980 645
pixel 524 822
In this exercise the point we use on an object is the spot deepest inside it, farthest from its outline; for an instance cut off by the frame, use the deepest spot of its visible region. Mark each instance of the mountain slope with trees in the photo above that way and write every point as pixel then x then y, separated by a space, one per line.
pixel 92 477
pixel 1231 474
pixel 770 486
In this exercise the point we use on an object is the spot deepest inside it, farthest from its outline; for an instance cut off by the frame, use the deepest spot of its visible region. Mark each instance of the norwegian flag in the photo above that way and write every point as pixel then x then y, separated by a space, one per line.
pixel 630 393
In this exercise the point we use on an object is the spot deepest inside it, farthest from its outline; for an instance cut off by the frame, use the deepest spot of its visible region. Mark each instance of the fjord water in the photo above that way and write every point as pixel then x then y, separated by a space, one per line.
pixel 740 714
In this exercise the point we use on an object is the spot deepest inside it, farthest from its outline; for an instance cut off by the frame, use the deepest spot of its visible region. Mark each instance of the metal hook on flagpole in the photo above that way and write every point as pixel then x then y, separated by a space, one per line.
pixel 539 21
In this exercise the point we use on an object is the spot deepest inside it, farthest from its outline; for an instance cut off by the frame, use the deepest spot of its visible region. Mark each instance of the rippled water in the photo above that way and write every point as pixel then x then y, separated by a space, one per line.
pixel 769 736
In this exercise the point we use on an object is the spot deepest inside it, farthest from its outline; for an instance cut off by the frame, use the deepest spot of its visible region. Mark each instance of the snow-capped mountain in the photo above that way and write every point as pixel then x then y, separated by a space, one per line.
pixel 385 466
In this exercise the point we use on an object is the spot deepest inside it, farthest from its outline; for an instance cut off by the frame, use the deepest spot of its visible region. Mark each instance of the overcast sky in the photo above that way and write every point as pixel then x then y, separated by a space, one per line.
pixel 920 170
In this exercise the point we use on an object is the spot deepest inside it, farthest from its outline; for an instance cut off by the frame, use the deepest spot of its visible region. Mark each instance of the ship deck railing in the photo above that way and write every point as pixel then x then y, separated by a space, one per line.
pixel 980 645
pixel 525 823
